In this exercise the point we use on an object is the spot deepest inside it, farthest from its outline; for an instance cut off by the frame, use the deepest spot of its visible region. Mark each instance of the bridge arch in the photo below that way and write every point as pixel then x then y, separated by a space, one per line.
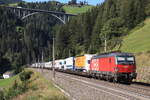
pixel 59 18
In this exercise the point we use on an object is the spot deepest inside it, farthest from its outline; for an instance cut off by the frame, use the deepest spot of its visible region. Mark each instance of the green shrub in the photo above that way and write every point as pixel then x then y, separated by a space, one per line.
pixel 25 76
pixel 13 91
pixel 17 88
pixel 18 69
pixel 1 95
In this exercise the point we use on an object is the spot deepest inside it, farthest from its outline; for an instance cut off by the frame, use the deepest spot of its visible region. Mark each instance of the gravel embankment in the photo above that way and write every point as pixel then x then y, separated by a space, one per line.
pixel 81 88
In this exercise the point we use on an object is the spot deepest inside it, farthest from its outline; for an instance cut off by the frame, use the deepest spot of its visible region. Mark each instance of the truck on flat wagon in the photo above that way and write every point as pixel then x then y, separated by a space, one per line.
pixel 82 63
pixel 69 63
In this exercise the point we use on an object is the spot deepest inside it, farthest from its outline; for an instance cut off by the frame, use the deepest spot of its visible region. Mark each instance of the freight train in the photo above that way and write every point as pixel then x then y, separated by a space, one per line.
pixel 114 66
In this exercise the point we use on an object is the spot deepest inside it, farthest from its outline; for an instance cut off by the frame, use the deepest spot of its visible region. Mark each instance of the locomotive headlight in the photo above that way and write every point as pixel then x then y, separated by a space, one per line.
pixel 125 66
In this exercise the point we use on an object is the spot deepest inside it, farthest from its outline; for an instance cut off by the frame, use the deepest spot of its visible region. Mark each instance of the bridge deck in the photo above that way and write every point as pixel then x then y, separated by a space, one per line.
pixel 42 11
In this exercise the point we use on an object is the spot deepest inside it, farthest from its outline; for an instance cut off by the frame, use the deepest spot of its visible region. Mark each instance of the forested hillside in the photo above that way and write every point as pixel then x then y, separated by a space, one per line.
pixel 10 43
pixel 23 41
pixel 109 21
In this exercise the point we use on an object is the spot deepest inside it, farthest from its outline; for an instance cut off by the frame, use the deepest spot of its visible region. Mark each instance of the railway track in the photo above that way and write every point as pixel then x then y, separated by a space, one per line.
pixel 143 88
pixel 117 91
pixel 126 91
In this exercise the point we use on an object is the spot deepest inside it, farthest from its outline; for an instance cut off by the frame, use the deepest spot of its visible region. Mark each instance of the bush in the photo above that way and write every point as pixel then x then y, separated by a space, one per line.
pixel 13 91
pixel 1 95
pixel 25 76
pixel 17 88
pixel 18 69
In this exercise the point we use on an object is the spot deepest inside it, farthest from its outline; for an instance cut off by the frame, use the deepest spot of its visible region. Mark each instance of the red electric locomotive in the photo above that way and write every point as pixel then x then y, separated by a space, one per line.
pixel 114 66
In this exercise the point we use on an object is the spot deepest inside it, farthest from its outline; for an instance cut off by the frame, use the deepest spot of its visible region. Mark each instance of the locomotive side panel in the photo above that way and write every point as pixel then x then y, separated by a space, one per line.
pixel 112 61
pixel 95 65
pixel 106 64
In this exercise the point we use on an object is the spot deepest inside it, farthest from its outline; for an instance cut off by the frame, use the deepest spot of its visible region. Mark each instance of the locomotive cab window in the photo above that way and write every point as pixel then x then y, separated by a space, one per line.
pixel 130 58
pixel 125 60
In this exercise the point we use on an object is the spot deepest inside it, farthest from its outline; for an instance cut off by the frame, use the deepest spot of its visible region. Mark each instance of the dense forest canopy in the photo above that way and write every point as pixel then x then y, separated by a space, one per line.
pixel 109 21
pixel 24 41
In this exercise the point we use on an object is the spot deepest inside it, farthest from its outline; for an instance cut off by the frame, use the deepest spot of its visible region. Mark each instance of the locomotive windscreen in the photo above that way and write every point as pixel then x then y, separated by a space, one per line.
pixel 125 60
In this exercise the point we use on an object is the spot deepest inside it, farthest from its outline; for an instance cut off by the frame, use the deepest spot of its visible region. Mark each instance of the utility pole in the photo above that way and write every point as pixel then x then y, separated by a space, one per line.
pixel 69 53
pixel 38 64
pixel 105 47
pixel 53 58
pixel 42 61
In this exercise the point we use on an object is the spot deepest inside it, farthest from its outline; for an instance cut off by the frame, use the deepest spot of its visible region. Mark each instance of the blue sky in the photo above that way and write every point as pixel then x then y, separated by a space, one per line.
pixel 92 2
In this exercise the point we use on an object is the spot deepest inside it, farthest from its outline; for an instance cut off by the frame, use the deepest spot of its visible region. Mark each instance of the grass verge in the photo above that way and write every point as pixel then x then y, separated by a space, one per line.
pixel 75 9
pixel 43 90
pixel 138 40
pixel 5 83
pixel 38 88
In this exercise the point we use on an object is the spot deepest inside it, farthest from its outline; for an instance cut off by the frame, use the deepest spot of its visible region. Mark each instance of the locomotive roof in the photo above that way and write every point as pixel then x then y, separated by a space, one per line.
pixel 112 54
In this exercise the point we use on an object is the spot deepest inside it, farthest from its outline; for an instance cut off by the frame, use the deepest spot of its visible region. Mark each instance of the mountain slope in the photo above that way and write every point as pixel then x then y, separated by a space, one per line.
pixel 75 9
pixel 138 40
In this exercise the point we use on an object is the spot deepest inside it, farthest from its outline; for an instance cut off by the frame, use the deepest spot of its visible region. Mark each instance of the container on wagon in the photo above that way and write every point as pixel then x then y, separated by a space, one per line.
pixel 56 64
pixel 62 63
pixel 47 65
pixel 69 63
pixel 82 63
pixel 59 64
